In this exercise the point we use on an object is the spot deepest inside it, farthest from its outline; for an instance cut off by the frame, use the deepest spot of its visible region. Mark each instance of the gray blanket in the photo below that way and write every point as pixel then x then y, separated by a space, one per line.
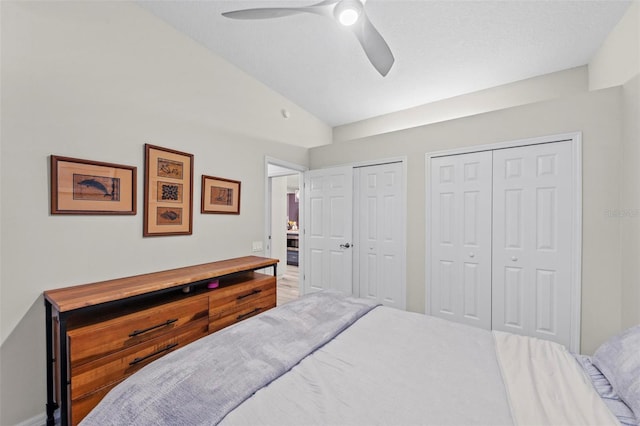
pixel 202 382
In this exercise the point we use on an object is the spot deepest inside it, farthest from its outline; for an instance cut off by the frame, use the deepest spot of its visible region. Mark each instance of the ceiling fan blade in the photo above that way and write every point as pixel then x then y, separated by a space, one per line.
pixel 376 49
pixel 321 8
pixel 263 13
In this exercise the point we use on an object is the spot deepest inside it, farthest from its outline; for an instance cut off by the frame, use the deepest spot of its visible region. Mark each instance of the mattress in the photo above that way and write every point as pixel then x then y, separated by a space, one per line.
pixel 328 359
pixel 390 367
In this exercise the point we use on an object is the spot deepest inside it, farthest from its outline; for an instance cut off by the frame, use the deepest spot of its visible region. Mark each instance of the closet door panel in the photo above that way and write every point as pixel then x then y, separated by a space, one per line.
pixel 472 287
pixel 532 220
pixel 512 298
pixel 380 238
pixel 328 219
pixel 460 268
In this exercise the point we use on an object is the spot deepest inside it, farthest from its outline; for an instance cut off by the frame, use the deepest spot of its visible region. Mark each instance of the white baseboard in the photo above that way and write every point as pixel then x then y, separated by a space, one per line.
pixel 39 420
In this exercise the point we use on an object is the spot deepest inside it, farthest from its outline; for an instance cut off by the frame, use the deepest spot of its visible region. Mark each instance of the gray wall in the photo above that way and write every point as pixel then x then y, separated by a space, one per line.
pixel 596 114
pixel 629 210
pixel 98 80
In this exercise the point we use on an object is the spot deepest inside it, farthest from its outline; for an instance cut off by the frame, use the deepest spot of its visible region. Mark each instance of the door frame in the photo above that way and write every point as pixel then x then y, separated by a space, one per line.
pixel 576 244
pixel 295 169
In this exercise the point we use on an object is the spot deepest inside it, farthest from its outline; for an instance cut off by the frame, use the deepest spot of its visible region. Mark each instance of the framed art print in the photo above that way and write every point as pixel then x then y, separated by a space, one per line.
pixel 220 195
pixel 86 187
pixel 168 192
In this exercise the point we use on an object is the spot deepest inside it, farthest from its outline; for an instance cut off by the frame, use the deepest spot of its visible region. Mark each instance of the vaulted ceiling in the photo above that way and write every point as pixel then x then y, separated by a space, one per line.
pixel 441 48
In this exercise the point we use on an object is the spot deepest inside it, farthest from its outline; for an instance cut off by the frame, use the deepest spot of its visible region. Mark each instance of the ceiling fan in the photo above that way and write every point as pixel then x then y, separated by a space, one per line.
pixel 349 13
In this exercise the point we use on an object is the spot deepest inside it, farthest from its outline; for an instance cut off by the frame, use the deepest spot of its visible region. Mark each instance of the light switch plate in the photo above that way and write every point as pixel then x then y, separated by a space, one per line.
pixel 257 246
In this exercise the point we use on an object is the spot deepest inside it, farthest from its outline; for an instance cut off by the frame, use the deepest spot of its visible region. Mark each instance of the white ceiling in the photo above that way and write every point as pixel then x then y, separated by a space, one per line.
pixel 442 48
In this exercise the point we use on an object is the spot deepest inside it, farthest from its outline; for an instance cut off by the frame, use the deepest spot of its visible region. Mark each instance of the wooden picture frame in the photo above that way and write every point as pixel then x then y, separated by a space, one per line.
pixel 219 195
pixel 168 192
pixel 86 187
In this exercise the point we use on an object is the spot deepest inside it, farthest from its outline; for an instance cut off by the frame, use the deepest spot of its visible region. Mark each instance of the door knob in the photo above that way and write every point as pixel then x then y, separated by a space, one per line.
pixel 346 245
pixel 513 258
pixel 472 254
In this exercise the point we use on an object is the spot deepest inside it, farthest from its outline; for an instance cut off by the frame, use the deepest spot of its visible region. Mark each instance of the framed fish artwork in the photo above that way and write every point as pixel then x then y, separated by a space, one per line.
pixel 220 195
pixel 168 192
pixel 91 187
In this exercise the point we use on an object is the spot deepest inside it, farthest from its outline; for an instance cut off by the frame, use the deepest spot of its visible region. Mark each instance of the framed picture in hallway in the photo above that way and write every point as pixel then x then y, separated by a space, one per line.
pixel 90 187
pixel 168 192
pixel 220 195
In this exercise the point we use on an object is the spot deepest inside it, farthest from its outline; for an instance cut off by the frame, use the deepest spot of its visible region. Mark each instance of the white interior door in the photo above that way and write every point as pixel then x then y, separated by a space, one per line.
pixel 277 243
pixel 533 231
pixel 460 238
pixel 380 226
pixel 328 229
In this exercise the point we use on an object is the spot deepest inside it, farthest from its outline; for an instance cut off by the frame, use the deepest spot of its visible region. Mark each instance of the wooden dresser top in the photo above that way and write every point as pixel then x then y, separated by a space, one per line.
pixel 85 295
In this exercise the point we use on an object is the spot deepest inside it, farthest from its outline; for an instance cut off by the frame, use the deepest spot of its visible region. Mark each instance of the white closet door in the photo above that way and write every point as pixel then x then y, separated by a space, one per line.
pixel 380 225
pixel 460 269
pixel 328 229
pixel 532 229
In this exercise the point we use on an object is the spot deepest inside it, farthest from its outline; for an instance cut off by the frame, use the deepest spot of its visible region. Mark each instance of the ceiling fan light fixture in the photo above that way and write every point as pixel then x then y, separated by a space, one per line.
pixel 348 17
pixel 347 12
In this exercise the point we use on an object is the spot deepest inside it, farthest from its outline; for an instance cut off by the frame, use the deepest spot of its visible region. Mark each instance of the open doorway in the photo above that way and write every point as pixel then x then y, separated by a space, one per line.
pixel 283 216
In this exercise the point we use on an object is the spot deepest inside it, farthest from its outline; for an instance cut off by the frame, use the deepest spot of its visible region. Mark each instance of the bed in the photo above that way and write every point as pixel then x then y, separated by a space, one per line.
pixel 329 359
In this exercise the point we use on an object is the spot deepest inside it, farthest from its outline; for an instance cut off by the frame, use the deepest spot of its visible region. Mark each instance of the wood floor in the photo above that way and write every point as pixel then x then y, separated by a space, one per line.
pixel 287 285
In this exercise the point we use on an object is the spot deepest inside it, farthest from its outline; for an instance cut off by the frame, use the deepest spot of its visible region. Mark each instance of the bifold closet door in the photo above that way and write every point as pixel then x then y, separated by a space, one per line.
pixel 460 269
pixel 379 220
pixel 532 236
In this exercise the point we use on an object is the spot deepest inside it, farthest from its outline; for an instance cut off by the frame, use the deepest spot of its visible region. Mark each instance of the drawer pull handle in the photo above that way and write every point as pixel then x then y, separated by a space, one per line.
pixel 254 291
pixel 248 314
pixel 166 348
pixel 138 332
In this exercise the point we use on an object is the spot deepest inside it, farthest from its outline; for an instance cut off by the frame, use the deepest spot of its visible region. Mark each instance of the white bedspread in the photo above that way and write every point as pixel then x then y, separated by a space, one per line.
pixel 546 385
pixel 389 368
pixel 201 382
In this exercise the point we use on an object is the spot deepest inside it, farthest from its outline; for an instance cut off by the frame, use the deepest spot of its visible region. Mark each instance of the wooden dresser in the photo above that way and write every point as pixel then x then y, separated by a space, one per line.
pixel 111 329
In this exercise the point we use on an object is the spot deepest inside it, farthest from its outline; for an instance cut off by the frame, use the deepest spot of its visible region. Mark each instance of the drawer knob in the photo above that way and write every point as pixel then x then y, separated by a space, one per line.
pixel 135 333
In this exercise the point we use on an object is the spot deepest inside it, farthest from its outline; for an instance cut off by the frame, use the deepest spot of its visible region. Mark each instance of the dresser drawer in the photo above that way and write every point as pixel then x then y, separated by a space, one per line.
pixel 91 376
pixel 94 341
pixel 229 299
pixel 81 407
pixel 239 313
